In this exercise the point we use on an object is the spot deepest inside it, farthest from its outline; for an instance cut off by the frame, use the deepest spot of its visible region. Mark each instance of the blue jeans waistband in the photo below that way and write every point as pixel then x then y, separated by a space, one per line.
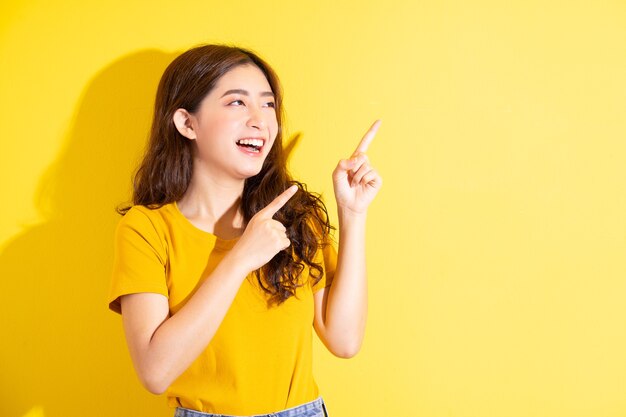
pixel 315 408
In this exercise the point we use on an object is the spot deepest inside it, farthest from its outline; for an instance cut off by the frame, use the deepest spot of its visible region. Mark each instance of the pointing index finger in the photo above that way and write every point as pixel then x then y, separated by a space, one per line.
pixel 367 139
pixel 279 201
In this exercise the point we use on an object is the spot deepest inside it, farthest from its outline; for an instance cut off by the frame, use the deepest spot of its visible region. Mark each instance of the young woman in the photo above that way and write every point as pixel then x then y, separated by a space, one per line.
pixel 224 262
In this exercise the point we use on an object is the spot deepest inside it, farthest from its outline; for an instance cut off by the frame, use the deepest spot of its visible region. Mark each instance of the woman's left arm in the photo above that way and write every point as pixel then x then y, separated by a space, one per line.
pixel 341 308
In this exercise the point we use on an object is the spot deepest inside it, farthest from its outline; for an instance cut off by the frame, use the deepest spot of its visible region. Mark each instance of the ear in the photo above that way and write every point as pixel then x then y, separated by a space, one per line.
pixel 183 122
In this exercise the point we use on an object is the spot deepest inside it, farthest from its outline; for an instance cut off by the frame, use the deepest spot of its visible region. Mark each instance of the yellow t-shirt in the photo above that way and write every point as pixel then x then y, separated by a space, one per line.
pixel 260 359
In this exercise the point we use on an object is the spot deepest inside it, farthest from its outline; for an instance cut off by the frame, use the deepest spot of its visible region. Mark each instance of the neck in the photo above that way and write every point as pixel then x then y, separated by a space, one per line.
pixel 213 205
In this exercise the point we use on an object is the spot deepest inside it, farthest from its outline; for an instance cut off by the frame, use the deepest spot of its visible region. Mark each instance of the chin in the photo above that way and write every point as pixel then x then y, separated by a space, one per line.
pixel 249 174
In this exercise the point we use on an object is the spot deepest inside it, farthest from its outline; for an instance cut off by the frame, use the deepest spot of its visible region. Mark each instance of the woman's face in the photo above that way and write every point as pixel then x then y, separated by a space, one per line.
pixel 236 124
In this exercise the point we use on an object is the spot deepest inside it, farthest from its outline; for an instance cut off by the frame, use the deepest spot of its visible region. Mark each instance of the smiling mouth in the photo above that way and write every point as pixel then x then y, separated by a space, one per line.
pixel 251 145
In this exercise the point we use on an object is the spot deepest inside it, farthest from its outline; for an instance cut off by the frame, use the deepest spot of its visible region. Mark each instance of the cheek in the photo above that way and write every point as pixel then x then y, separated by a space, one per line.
pixel 215 127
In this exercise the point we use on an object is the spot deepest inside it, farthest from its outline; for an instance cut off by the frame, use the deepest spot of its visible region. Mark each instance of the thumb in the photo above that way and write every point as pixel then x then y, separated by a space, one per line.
pixel 344 167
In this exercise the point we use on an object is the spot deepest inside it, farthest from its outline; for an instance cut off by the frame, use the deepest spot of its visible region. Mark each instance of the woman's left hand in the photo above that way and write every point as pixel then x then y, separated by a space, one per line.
pixel 356 183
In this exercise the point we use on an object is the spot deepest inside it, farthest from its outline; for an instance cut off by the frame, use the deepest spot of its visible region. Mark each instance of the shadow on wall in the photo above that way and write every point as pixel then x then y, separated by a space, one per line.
pixel 64 353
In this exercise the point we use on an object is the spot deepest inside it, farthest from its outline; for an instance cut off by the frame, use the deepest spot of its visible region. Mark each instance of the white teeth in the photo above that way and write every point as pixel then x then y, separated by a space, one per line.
pixel 254 142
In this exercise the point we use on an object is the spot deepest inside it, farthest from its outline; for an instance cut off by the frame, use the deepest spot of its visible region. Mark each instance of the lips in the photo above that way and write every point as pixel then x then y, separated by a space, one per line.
pixel 251 145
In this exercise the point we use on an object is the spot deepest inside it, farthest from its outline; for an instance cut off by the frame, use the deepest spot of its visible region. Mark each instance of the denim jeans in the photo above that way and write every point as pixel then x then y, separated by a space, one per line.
pixel 315 408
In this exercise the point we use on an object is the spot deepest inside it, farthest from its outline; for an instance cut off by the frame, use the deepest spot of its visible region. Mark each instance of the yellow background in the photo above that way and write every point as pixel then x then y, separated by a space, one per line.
pixel 497 247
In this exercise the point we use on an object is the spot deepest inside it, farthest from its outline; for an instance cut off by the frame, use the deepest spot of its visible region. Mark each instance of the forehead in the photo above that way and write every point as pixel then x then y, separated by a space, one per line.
pixel 248 77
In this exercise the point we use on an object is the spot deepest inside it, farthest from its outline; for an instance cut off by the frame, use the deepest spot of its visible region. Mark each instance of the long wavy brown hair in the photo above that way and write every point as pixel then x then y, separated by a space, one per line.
pixel 166 169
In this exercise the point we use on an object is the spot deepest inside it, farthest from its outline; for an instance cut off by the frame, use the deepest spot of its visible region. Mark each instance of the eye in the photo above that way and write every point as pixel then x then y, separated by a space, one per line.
pixel 270 104
pixel 236 103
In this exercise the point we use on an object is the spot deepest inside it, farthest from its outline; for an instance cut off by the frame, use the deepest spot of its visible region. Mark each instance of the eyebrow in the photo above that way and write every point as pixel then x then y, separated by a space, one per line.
pixel 245 93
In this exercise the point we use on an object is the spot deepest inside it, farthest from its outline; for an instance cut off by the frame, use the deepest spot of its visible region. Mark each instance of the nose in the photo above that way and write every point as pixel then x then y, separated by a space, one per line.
pixel 255 119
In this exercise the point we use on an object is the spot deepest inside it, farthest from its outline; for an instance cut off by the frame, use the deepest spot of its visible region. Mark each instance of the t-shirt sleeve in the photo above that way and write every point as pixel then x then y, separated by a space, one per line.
pixel 139 259
pixel 329 263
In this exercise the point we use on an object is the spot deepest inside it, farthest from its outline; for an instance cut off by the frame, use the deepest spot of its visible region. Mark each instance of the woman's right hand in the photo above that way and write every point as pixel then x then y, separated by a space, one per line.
pixel 263 237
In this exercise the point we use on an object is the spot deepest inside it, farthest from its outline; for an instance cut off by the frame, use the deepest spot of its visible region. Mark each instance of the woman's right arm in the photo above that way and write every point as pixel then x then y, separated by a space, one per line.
pixel 161 346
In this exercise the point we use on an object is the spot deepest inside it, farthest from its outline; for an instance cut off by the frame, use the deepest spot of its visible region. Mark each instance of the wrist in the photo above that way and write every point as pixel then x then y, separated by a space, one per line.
pixel 349 216
pixel 235 265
